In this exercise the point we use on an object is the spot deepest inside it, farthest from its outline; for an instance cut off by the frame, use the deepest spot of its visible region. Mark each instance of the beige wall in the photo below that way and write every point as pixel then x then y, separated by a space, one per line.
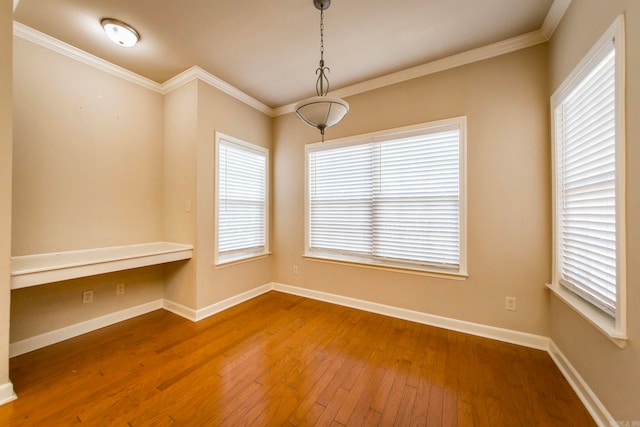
pixel 87 156
pixel 612 373
pixel 87 172
pixel 220 112
pixel 100 161
pixel 505 100
pixel 6 69
pixel 193 113
pixel 39 309
pixel 180 137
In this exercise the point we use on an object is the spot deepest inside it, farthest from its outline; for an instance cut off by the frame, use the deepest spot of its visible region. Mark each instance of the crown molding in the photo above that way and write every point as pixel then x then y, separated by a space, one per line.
pixel 39 38
pixel 179 80
pixel 556 12
pixel 35 36
pixel 196 72
pixel 553 18
pixel 474 55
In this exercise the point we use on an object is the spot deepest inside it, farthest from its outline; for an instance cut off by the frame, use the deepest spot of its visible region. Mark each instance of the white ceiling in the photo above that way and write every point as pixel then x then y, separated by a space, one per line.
pixel 270 49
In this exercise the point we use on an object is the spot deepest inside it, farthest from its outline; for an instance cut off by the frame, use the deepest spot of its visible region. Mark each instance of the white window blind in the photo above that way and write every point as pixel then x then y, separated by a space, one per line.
pixel 394 200
pixel 586 151
pixel 241 199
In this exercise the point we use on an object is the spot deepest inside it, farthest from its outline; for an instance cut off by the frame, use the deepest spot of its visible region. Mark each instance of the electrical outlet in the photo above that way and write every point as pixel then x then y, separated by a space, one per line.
pixel 87 296
pixel 120 289
pixel 187 206
pixel 295 270
pixel 510 303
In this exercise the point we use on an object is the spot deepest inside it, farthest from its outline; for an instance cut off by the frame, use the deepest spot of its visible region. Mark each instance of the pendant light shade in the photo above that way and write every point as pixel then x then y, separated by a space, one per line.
pixel 322 111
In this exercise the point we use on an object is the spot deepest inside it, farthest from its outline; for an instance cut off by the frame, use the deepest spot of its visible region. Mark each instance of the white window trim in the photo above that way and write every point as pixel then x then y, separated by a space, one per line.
pixel 248 256
pixel 614 328
pixel 406 267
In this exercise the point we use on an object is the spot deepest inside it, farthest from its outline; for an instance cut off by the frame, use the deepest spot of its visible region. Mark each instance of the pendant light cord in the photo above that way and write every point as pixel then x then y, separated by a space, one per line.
pixel 321 111
pixel 322 84
pixel 322 36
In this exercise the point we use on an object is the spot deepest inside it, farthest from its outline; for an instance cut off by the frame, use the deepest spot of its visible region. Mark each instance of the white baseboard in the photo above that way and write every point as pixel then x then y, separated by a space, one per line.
pixel 52 337
pixel 203 313
pixel 587 396
pixel 506 335
pixel 6 393
pixel 589 399
pixel 208 311
pixel 48 338
pixel 601 416
pixel 180 310
pixel 20 347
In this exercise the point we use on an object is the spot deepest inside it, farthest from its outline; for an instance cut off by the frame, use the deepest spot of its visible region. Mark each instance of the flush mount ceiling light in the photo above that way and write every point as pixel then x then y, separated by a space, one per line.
pixel 120 33
pixel 322 111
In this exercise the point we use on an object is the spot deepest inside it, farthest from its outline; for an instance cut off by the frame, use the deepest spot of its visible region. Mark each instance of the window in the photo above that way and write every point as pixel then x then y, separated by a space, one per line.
pixel 241 199
pixel 588 136
pixel 393 198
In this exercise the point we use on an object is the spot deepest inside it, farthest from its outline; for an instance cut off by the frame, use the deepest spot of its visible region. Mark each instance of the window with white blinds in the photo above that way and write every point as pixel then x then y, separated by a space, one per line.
pixel 392 198
pixel 588 181
pixel 241 199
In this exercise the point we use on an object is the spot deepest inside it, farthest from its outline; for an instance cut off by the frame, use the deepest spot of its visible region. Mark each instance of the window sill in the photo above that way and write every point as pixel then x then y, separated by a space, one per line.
pixel 399 269
pixel 598 319
pixel 235 261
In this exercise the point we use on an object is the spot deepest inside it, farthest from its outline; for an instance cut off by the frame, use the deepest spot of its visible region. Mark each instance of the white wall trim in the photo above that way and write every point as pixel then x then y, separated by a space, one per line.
pixel 595 407
pixel 212 309
pixel 556 12
pixel 39 38
pixel 34 36
pixel 15 4
pixel 179 309
pixel 492 332
pixel 196 72
pixel 179 80
pixel 20 347
pixel 506 335
pixel 6 393
pixel 589 399
pixel 474 55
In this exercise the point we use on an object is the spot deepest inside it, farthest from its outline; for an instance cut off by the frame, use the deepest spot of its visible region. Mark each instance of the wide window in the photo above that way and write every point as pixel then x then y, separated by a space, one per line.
pixel 588 135
pixel 241 199
pixel 393 198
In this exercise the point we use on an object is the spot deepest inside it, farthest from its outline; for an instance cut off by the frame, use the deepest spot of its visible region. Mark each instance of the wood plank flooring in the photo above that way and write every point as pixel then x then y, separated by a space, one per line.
pixel 282 360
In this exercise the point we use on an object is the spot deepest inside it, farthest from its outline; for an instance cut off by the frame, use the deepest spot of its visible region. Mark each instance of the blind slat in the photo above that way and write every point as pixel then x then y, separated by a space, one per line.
pixel 396 200
pixel 587 182
pixel 241 200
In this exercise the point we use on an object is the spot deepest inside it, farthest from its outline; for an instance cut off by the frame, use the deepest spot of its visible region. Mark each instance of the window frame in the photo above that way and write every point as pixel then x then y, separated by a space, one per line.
pixel 615 328
pixel 390 134
pixel 248 255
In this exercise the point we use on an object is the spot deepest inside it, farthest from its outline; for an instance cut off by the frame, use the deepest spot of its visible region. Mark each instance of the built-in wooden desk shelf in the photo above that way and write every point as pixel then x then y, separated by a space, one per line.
pixel 33 270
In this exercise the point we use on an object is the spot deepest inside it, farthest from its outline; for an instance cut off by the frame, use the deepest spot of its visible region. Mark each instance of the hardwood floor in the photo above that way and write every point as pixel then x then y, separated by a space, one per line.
pixel 282 360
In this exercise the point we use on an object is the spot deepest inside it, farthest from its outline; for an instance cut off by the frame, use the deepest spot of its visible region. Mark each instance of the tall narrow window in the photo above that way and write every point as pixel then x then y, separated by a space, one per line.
pixel 392 198
pixel 241 199
pixel 588 135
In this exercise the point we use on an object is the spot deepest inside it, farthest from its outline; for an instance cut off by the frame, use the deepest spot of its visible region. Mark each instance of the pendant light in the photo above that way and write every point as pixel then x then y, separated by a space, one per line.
pixel 322 111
